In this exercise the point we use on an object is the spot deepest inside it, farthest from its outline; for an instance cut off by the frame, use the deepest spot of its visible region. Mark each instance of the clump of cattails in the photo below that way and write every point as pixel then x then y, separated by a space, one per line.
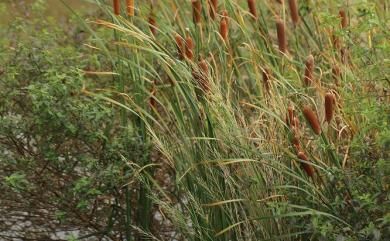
pixel 282 41
pixel 213 8
pixel 180 46
pixel 152 24
pixel 189 46
pixel 329 106
pixel 294 11
pixel 306 166
pixel 130 8
pixel 252 8
pixel 311 117
pixel 343 18
pixel 309 69
pixel 197 10
pixel 224 29
pixel 201 75
pixel 117 7
pixel 266 80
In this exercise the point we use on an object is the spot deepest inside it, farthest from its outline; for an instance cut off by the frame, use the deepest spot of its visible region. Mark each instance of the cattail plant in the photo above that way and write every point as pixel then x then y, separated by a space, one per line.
pixel 311 117
pixel 266 80
pixel 252 8
pixel 282 42
pixel 152 24
pixel 130 8
pixel 290 115
pixel 197 10
pixel 307 167
pixel 180 46
pixel 117 7
pixel 294 11
pixel 223 29
pixel 189 46
pixel 309 69
pixel 201 75
pixel 336 72
pixel 152 100
pixel 329 106
pixel 343 18
pixel 213 8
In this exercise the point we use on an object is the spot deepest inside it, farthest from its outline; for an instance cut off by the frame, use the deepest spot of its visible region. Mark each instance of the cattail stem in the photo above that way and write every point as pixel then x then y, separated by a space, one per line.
pixel 329 106
pixel 282 42
pixel 311 117
pixel 130 8
pixel 117 7
pixel 252 8
pixel 309 70
pixel 197 10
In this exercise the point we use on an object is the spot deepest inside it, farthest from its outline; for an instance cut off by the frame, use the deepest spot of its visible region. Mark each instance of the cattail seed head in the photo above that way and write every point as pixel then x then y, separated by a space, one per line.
pixel 329 106
pixel 309 69
pixel 152 24
pixel 223 29
pixel 282 42
pixel 294 11
pixel 130 8
pixel 290 116
pixel 266 80
pixel 117 7
pixel 189 46
pixel 225 16
pixel 180 46
pixel 343 20
pixel 201 75
pixel 336 71
pixel 213 8
pixel 252 8
pixel 197 10
pixel 311 117
pixel 307 167
pixel 152 100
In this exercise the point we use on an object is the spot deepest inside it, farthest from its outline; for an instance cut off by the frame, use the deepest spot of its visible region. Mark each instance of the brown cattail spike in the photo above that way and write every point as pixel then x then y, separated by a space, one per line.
pixel 252 8
pixel 266 80
pixel 344 20
pixel 197 10
pixel 282 42
pixel 329 106
pixel 189 46
pixel 336 71
pixel 225 16
pixel 213 8
pixel 223 29
pixel 117 7
pixel 152 24
pixel 130 8
pixel 294 11
pixel 290 116
pixel 309 69
pixel 180 46
pixel 152 100
pixel 311 117
pixel 307 167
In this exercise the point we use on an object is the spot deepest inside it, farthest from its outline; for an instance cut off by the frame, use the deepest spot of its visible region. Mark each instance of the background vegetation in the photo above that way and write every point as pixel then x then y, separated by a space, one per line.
pixel 115 126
